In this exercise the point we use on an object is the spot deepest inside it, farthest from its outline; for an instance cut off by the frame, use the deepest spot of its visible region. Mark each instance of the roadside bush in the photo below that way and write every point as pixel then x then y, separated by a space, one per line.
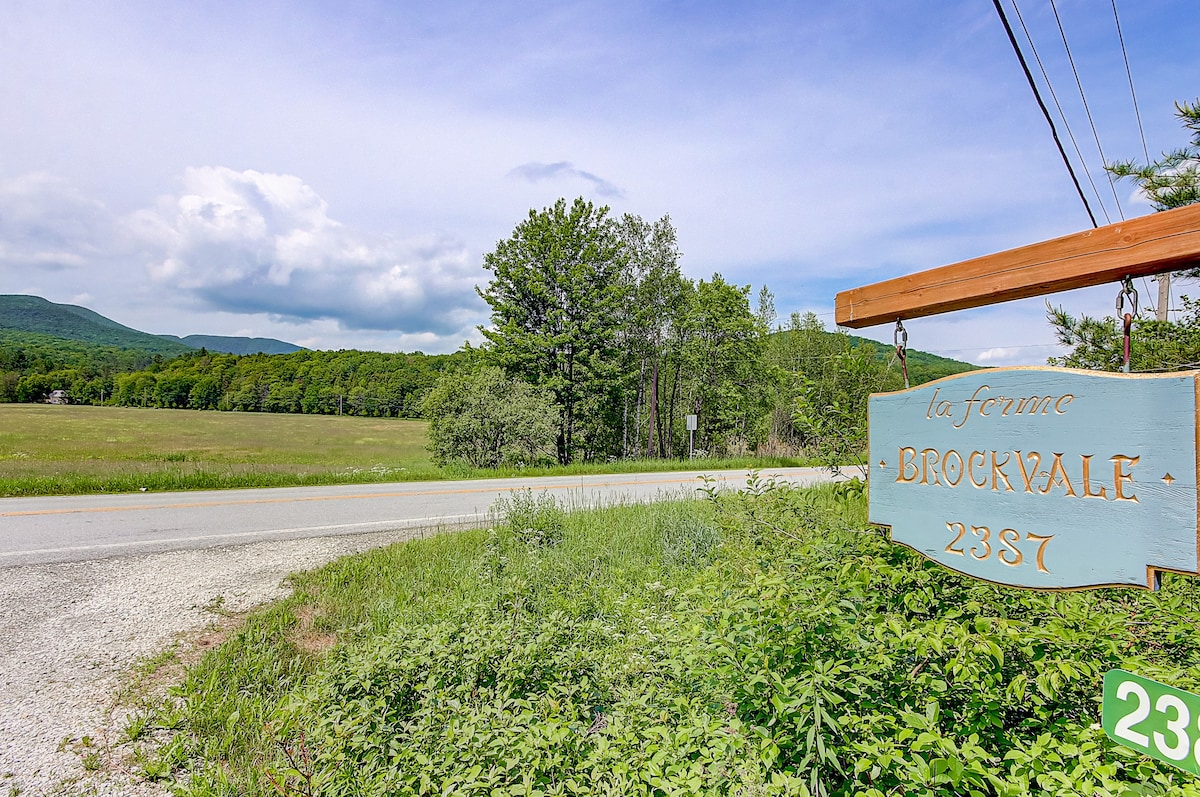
pixel 536 521
pixel 485 419
pixel 869 670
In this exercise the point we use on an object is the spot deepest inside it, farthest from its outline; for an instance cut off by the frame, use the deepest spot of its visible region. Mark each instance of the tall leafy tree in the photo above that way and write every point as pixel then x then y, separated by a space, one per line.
pixel 725 351
pixel 657 305
pixel 557 290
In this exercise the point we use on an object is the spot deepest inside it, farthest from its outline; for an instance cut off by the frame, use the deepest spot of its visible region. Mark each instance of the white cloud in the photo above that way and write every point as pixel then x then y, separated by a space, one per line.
pixel 809 146
pixel 237 248
pixel 251 242
pixel 1016 355
pixel 47 224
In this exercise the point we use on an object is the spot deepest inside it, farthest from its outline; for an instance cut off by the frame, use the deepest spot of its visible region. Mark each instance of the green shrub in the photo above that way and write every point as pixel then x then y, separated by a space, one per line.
pixel 484 419
pixel 537 521
pixel 765 642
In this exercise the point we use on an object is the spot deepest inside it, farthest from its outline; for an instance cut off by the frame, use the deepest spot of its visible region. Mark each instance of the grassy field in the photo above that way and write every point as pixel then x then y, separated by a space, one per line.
pixel 46 450
pixel 63 450
pixel 757 644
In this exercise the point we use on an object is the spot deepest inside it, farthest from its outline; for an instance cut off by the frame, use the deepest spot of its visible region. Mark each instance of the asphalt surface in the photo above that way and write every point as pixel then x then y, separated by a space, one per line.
pixel 80 528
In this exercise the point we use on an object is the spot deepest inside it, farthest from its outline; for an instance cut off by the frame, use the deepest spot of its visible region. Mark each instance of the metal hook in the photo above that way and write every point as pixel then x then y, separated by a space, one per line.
pixel 900 338
pixel 1127 289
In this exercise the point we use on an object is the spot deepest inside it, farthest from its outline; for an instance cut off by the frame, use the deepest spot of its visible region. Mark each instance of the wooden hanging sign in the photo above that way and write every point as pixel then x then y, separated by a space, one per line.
pixel 1046 478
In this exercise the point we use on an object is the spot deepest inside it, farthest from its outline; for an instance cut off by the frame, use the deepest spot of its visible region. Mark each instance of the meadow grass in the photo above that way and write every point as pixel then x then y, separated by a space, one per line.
pixel 64 450
pixel 46 450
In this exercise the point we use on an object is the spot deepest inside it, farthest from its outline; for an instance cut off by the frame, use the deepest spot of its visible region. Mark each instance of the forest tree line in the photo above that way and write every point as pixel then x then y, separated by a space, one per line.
pixel 318 382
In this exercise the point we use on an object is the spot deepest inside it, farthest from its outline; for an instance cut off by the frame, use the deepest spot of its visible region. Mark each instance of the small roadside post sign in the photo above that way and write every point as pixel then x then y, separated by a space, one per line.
pixel 1152 718
pixel 1041 477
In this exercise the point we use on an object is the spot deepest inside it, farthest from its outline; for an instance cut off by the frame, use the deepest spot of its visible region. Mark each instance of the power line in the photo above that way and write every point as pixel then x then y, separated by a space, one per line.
pixel 1129 74
pixel 1086 109
pixel 1037 95
pixel 1061 113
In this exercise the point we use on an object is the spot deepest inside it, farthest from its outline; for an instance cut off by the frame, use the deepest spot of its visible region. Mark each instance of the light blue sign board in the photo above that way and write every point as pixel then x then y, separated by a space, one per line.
pixel 1045 478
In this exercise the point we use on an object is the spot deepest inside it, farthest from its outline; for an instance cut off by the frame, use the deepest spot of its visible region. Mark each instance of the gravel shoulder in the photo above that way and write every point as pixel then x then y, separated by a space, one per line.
pixel 72 631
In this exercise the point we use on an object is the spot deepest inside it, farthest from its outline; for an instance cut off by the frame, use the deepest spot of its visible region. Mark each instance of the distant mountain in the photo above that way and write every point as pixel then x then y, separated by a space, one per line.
pixel 233 345
pixel 33 314
pixel 71 322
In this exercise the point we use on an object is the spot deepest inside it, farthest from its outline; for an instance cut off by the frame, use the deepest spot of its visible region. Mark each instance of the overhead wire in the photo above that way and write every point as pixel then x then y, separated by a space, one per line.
pixel 1045 112
pixel 1137 112
pixel 1129 74
pixel 1087 110
pixel 1054 132
pixel 1063 116
pixel 1061 113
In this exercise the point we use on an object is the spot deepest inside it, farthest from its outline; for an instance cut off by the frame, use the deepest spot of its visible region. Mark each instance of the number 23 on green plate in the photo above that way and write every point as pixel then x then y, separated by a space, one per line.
pixel 1159 720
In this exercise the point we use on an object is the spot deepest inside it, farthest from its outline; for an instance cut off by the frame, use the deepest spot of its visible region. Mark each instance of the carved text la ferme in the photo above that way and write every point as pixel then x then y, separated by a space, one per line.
pixel 990 406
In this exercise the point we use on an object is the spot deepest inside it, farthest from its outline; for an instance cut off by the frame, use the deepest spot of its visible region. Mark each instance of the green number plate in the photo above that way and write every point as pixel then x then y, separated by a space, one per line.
pixel 1159 720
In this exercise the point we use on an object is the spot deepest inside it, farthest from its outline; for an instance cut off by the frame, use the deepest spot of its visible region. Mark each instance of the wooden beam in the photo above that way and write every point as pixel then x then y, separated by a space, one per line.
pixel 1166 241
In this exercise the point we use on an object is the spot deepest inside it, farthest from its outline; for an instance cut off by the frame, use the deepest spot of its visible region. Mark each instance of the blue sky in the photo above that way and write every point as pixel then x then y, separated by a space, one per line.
pixel 333 173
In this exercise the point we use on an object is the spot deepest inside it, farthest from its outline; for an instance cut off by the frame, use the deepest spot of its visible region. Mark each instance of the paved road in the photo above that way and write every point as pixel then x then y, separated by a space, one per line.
pixel 77 528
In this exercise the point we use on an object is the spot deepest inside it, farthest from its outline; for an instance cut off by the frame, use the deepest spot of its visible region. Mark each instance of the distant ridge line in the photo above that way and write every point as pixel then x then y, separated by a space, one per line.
pixel 33 314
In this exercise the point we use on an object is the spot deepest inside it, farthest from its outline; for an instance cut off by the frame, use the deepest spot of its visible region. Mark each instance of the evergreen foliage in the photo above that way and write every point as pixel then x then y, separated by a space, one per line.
pixel 1098 343
pixel 1174 180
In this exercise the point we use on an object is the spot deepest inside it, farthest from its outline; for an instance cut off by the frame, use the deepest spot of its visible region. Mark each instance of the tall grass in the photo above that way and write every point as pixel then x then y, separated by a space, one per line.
pixel 620 563
pixel 687 648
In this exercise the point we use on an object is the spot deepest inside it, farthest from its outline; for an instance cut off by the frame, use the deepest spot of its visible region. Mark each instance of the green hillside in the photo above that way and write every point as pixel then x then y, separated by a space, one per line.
pixel 922 366
pixel 33 314
pixel 38 316
pixel 234 345
pixel 26 353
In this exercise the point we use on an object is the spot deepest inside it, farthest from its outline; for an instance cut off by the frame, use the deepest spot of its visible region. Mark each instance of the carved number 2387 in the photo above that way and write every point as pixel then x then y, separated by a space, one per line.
pixel 1006 549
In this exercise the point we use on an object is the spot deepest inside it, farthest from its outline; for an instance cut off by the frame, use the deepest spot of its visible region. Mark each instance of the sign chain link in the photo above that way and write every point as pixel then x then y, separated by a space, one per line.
pixel 1127 290
pixel 900 339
